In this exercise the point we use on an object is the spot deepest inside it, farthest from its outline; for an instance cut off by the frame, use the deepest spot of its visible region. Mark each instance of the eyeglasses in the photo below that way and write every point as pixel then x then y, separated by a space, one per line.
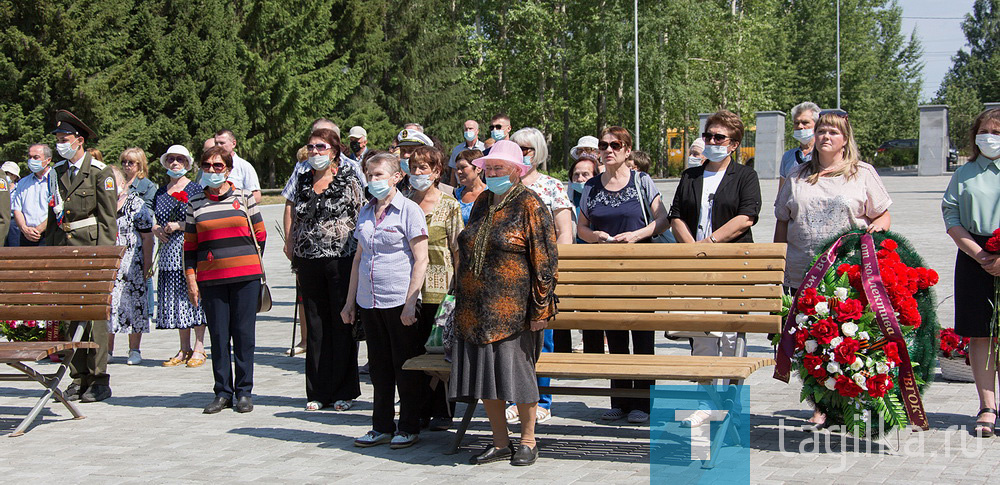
pixel 836 112
pixel 717 137
pixel 603 145
pixel 213 167
pixel 525 150
pixel 128 163
pixel 496 127
pixel 320 147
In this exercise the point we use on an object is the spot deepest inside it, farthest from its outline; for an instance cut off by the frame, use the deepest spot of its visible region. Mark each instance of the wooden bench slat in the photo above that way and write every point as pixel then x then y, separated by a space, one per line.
pixel 672 265
pixel 663 304
pixel 61 299
pixel 55 312
pixel 678 277
pixel 666 251
pixel 71 252
pixel 643 291
pixel 35 351
pixel 706 322
pixel 61 263
pixel 57 275
pixel 51 287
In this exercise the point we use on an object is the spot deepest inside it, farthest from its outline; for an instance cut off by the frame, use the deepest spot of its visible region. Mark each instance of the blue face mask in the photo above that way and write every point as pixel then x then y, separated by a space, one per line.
pixel 213 180
pixel 499 185
pixel 497 135
pixel 379 188
pixel 577 186
pixel 404 165
pixel 177 173
pixel 469 135
pixel 35 165
pixel 716 153
pixel 526 159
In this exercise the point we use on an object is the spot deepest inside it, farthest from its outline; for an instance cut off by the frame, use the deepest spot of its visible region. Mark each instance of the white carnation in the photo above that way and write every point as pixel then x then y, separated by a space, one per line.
pixel 822 308
pixel 830 383
pixel 811 346
pixel 840 292
pixel 858 364
pixel 882 368
pixel 833 367
pixel 849 329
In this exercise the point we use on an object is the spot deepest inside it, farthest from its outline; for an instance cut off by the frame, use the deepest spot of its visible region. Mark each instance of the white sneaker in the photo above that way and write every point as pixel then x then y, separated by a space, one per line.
pixel 134 357
pixel 403 440
pixel 373 438
pixel 636 416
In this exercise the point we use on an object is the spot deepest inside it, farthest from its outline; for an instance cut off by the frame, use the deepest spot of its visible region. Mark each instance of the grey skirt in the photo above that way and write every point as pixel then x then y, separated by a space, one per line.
pixel 502 370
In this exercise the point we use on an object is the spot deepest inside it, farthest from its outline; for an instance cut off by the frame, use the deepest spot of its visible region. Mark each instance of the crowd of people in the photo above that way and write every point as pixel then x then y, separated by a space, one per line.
pixel 379 240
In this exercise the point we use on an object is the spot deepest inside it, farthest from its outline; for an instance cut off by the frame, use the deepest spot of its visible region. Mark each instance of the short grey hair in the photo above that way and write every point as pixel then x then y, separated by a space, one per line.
pixel 389 160
pixel 535 139
pixel 806 106
pixel 414 126
pixel 46 150
pixel 472 121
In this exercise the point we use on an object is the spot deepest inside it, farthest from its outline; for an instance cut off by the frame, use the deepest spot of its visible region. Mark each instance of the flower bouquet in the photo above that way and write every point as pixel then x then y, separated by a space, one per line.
pixel 24 330
pixel 954 357
pixel 852 355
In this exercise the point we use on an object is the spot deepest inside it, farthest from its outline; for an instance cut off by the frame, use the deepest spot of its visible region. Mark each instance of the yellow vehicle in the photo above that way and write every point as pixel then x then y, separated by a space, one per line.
pixel 677 147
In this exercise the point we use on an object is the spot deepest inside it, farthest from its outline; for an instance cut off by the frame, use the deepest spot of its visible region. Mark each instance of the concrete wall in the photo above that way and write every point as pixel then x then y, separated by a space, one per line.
pixel 933 147
pixel 770 143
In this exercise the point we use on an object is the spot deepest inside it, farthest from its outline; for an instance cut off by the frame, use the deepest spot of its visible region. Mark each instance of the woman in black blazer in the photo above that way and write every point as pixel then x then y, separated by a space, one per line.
pixel 716 202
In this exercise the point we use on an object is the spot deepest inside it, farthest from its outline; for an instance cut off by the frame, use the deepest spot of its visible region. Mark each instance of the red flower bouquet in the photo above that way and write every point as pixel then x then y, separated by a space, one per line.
pixel 24 330
pixel 953 355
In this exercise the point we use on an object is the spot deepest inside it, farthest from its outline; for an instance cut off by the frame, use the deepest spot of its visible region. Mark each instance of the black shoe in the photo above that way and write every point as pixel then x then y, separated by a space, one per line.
pixel 72 392
pixel 244 404
pixel 217 405
pixel 524 456
pixel 95 393
pixel 492 454
pixel 440 424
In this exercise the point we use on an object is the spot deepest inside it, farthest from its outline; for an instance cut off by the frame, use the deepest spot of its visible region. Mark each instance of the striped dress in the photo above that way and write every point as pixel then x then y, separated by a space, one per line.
pixel 218 247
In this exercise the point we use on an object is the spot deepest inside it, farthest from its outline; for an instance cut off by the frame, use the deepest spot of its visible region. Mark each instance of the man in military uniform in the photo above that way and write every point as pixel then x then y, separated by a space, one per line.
pixel 83 212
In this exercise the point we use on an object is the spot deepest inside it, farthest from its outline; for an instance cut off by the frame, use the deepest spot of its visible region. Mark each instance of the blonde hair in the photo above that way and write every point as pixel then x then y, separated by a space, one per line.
pixel 137 155
pixel 851 155
pixel 302 154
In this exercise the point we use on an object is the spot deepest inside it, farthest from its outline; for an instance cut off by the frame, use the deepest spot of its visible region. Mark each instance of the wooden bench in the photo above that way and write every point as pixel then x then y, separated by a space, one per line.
pixel 53 283
pixel 658 287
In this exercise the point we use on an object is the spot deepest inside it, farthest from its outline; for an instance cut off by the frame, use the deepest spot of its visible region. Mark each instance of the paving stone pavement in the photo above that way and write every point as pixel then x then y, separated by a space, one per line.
pixel 152 430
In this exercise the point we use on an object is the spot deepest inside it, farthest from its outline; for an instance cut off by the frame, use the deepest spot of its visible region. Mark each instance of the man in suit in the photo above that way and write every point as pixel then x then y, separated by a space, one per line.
pixel 83 212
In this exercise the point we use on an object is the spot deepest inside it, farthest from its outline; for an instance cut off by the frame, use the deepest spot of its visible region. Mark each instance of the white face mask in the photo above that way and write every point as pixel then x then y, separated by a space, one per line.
pixel 65 150
pixel 421 182
pixel 989 145
pixel 715 153
pixel 694 161
pixel 803 136
pixel 319 162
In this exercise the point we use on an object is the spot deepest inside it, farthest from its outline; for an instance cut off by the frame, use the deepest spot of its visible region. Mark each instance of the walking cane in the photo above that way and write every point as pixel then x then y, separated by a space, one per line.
pixel 295 319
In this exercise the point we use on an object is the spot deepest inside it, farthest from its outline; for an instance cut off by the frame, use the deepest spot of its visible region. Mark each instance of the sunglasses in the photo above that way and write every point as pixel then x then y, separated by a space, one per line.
pixel 836 112
pixel 213 167
pixel 318 147
pixel 128 163
pixel 525 150
pixel 170 160
pixel 615 145
pixel 717 137
pixel 496 127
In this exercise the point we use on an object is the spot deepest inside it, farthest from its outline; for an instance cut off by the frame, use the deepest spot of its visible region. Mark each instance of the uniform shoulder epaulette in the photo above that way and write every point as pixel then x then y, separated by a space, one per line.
pixel 98 164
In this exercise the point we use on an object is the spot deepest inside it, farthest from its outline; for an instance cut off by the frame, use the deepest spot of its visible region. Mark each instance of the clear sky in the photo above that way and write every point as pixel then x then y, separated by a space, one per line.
pixel 938 26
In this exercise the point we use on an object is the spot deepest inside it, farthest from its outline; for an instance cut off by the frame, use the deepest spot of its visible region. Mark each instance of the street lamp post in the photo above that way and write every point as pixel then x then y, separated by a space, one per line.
pixel 635 44
pixel 838 54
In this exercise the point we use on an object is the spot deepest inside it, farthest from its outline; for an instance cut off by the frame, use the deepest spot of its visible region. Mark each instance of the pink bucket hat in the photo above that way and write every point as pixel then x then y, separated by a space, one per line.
pixel 505 151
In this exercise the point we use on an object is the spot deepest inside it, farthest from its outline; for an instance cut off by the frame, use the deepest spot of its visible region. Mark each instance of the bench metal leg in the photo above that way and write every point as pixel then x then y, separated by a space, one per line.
pixel 51 384
pixel 727 422
pixel 470 409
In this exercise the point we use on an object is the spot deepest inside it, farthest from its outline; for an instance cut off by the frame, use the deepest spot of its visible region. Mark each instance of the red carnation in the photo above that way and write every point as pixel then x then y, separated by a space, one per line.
pixel 892 353
pixel 844 353
pixel 848 310
pixel 808 300
pixel 181 196
pixel 800 339
pixel 993 244
pixel 878 385
pixel 815 367
pixel 889 244
pixel 847 387
pixel 824 331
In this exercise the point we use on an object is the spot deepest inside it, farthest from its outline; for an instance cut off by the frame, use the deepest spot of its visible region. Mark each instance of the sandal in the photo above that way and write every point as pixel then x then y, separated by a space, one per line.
pixel 343 405
pixel 181 357
pixel 314 406
pixel 197 361
pixel 984 429
pixel 512 415
pixel 696 419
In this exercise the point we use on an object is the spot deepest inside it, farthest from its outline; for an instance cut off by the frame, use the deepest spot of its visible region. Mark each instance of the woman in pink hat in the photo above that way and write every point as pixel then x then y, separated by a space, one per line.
pixel 505 296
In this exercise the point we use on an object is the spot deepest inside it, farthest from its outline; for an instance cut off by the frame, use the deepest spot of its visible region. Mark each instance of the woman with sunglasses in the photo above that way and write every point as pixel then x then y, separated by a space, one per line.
pixel 173 309
pixel 325 205
pixel 716 202
pixel 222 263
pixel 821 198
pixel 621 206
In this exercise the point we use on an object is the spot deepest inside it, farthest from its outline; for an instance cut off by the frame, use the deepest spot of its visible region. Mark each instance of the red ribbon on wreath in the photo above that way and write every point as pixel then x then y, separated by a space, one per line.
pixel 878 300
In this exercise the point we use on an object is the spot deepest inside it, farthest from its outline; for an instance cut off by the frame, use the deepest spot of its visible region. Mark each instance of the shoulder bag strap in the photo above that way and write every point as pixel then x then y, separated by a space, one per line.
pixel 642 203
pixel 260 257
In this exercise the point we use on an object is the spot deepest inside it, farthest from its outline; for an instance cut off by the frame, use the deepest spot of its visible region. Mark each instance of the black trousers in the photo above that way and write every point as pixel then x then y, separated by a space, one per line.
pixel 331 351
pixel 436 404
pixel 390 344
pixel 642 343
pixel 563 340
pixel 231 312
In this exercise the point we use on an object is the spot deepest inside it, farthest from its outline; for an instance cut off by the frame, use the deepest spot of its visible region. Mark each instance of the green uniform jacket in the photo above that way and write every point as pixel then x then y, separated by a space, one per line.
pixel 5 220
pixel 92 193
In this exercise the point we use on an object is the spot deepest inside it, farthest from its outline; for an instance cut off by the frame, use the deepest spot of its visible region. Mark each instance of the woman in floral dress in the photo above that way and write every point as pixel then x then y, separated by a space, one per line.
pixel 129 306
